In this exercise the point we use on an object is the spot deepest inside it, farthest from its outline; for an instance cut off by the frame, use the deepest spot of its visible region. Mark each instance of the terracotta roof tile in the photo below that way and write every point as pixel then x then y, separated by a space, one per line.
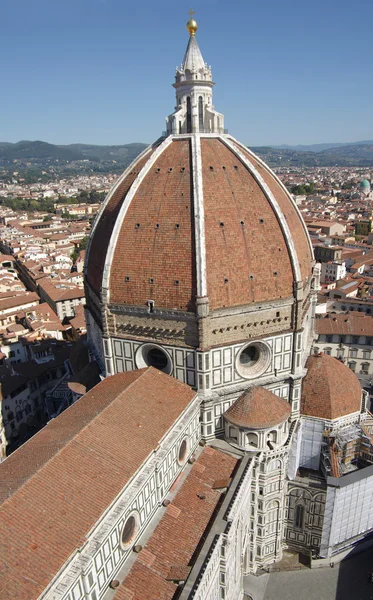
pixel 174 542
pixel 247 254
pixel 90 451
pixel 330 389
pixel 258 408
pixel 162 254
pixel 101 237
pixel 345 324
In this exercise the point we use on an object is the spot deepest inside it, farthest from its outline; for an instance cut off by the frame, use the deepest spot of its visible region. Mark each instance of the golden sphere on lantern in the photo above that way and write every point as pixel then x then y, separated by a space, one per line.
pixel 192 26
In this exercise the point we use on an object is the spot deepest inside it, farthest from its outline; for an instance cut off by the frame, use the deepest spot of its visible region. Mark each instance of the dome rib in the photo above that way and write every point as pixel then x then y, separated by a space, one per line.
pixel 123 210
pixel 100 235
pixel 275 206
pixel 280 184
pixel 199 217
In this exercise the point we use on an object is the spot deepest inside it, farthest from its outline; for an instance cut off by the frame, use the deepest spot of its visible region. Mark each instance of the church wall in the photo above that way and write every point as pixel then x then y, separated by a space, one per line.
pixel 216 373
pixel 88 574
pixel 222 571
pixel 213 370
pixel 305 507
pixel 209 587
pixel 94 336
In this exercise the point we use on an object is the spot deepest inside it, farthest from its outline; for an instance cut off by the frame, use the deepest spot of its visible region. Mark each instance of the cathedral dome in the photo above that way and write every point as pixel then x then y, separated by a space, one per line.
pixel 258 408
pixel 198 216
pixel 330 389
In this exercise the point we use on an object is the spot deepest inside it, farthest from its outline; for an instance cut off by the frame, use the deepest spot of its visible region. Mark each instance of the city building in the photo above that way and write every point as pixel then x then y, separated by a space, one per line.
pixel 349 337
pixel 332 271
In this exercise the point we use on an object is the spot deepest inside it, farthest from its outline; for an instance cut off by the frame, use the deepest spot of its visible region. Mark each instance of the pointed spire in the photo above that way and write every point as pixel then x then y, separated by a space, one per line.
pixel 193 60
pixel 193 83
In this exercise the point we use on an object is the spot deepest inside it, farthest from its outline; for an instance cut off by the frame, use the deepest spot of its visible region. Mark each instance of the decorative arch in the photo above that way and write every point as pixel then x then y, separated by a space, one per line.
pixel 274 465
pixel 252 439
pixel 299 515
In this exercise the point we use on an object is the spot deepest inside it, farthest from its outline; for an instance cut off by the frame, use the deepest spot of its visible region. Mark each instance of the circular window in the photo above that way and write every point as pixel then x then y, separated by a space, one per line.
pixel 150 355
pixel 156 358
pixel 253 360
pixel 249 356
pixel 183 452
pixel 129 531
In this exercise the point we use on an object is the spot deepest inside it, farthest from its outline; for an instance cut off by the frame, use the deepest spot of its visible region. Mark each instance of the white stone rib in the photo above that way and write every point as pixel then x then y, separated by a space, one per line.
pixel 282 187
pixel 123 210
pixel 108 198
pixel 199 216
pixel 272 200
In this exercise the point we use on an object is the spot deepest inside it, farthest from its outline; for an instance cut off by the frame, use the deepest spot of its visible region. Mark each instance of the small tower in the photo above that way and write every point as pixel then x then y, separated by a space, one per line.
pixel 194 111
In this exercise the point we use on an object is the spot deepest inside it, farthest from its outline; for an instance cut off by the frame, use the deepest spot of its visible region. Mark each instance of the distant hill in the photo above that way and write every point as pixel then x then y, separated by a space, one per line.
pixel 321 147
pixel 352 155
pixel 114 158
pixel 36 150
pixel 107 153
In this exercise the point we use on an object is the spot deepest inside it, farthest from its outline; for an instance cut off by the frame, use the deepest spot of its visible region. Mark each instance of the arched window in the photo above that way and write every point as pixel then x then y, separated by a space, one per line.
pixel 272 516
pixel 274 465
pixel 200 113
pixel 364 368
pixel 299 516
pixel 189 116
pixel 252 439
pixel 233 434
pixel 272 436
pixel 316 350
pixel 328 351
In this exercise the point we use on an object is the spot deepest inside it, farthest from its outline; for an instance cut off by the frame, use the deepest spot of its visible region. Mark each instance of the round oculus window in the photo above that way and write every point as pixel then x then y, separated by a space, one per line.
pixel 156 358
pixel 150 355
pixel 129 531
pixel 183 452
pixel 249 356
pixel 253 360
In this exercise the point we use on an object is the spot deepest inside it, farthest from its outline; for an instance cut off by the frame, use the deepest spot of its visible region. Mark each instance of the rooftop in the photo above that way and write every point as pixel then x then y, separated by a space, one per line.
pixel 151 575
pixel 89 451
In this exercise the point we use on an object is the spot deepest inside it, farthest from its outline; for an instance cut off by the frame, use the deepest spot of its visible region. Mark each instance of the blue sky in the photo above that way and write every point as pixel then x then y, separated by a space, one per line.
pixel 100 71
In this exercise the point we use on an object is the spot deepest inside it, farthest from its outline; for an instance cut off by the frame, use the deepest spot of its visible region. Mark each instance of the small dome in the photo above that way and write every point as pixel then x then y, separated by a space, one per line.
pixel 330 389
pixel 258 408
pixel 365 184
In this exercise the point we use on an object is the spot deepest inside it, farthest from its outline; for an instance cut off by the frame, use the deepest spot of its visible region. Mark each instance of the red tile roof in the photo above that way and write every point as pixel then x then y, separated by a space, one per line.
pixel 101 236
pixel 330 389
pixel 89 451
pixel 172 546
pixel 345 324
pixel 19 300
pixel 258 408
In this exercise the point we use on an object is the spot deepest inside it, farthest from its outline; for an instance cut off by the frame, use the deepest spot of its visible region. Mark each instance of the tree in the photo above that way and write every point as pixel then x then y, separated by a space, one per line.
pixel 83 243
